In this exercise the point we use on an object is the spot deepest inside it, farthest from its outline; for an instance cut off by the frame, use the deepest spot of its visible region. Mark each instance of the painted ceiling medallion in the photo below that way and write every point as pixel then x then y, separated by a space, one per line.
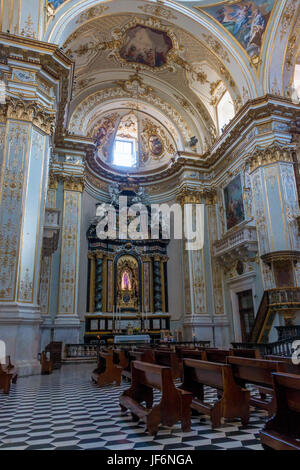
pixel 246 20
pixel 144 43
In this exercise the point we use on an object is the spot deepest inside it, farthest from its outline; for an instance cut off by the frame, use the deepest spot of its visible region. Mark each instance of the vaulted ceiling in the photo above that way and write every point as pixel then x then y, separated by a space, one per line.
pixel 202 60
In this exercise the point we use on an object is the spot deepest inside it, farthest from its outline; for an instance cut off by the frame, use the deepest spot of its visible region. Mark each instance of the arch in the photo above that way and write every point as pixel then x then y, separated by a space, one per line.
pixel 75 12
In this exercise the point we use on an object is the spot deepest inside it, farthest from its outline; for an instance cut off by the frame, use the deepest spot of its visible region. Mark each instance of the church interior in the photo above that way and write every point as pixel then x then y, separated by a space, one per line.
pixel 149 225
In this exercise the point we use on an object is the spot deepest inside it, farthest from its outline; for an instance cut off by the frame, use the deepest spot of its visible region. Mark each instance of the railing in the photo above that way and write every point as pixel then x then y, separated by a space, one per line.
pixel 90 350
pixel 285 295
pixel 277 348
pixel 81 351
pixel 243 235
pixel 287 331
pixel 273 300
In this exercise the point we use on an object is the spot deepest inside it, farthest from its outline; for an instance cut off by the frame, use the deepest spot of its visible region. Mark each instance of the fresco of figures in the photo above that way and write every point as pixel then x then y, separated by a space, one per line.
pixel 146 46
pixel 234 205
pixel 246 21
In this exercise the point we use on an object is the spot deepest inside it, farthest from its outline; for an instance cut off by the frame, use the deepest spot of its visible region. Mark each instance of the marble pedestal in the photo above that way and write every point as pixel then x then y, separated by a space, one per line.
pixel 20 331
pixel 216 330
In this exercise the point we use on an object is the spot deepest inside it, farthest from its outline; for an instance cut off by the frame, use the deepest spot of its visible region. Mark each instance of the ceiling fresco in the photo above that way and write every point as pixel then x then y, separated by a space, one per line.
pixel 246 21
pixel 147 46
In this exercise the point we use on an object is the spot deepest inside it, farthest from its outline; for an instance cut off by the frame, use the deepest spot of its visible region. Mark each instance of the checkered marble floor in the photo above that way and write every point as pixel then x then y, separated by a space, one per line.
pixel 67 411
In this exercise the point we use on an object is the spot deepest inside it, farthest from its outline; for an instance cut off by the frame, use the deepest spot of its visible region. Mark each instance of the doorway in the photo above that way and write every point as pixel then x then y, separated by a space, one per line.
pixel 246 310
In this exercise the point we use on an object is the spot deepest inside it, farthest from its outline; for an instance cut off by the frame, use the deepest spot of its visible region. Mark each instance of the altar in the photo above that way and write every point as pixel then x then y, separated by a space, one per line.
pixel 106 327
pixel 127 281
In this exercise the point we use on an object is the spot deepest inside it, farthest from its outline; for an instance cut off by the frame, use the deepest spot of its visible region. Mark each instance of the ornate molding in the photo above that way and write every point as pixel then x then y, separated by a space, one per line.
pixel 51 231
pixel 72 183
pixel 29 111
pixel 239 244
pixel 277 256
pixel 272 154
pixel 188 196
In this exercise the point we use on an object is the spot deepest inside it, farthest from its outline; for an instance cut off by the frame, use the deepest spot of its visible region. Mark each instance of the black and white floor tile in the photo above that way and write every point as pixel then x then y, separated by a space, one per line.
pixel 67 411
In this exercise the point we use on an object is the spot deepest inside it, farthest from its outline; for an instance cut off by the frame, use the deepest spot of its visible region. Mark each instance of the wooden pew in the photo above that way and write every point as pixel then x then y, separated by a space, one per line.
pixel 143 355
pixel 190 354
pixel 169 359
pixel 257 372
pixel 107 372
pixel 174 405
pixel 245 352
pixel 47 364
pixel 290 368
pixel 120 358
pixel 10 369
pixel 281 431
pixel 215 355
pixel 5 379
pixel 232 403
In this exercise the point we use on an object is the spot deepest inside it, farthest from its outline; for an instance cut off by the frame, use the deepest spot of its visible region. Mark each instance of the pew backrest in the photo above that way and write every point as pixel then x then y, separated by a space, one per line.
pixel 153 375
pixel 204 372
pixel 287 390
pixel 216 355
pixel 246 352
pixel 255 371
pixel 290 367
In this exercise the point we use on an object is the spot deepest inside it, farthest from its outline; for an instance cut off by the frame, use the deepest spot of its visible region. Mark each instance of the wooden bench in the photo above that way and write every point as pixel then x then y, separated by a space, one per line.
pixel 10 368
pixel 290 368
pixel 232 403
pixel 47 364
pixel 190 354
pixel 169 359
pixel 120 358
pixel 143 355
pixel 174 405
pixel 246 352
pixel 5 379
pixel 107 372
pixel 215 355
pixel 257 372
pixel 281 431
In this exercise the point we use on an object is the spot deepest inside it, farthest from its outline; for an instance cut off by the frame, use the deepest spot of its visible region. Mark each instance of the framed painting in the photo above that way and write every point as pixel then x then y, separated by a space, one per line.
pixel 234 204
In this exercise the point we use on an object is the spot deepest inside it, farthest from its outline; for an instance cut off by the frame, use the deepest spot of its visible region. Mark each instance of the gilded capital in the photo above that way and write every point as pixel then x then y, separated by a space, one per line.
pixel 72 183
pixel 30 111
pixel 188 196
pixel 272 154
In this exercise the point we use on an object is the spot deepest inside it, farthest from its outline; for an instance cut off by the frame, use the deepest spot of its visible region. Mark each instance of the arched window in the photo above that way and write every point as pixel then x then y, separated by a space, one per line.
pixel 297 82
pixel 225 110
pixel 126 142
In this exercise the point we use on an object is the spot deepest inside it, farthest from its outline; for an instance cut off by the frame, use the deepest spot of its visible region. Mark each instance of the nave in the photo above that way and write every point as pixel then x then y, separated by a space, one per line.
pixel 66 410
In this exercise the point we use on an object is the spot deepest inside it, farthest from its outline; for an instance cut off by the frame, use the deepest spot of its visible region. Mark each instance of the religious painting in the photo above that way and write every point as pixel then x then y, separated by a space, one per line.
pixel 126 282
pixel 155 145
pixel 146 46
pixel 234 205
pixel 245 20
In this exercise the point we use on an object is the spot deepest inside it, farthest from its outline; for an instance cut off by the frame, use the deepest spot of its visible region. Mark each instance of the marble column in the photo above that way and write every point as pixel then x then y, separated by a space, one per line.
pixel 157 285
pixel 24 158
pixel 98 282
pixel 67 322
